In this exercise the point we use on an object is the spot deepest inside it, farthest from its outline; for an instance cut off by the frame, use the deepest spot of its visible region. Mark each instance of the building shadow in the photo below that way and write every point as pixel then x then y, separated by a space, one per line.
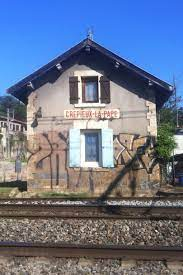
pixel 21 185
pixel 128 167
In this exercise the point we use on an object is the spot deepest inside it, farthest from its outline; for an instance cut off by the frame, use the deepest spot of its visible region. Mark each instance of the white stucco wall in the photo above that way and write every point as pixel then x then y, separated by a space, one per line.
pixel 179 142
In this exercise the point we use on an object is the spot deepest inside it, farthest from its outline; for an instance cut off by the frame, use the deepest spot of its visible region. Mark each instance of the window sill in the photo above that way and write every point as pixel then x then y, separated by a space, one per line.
pixel 88 105
pixel 90 165
pixel 93 169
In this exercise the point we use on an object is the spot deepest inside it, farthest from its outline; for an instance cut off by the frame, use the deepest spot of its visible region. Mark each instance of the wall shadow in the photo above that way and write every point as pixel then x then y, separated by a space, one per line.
pixel 122 173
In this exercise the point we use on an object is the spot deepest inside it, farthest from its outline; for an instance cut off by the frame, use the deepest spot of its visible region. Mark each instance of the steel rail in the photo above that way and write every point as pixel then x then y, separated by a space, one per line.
pixel 90 211
pixel 92 251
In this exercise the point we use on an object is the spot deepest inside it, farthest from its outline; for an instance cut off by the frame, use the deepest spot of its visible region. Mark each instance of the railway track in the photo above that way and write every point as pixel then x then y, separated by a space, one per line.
pixel 102 212
pixel 78 251
pixel 155 209
pixel 56 208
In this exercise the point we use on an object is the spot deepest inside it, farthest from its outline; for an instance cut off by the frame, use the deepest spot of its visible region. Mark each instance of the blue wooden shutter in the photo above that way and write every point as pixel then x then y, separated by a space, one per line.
pixel 74 148
pixel 107 148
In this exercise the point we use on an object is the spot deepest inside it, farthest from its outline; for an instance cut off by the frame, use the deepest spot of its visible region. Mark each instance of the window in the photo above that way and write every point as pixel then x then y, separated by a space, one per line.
pixel 90 89
pixel 90 148
pixel 17 128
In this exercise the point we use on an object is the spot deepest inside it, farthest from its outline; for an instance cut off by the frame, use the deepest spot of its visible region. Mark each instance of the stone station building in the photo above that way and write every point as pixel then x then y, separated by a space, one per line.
pixel 91 123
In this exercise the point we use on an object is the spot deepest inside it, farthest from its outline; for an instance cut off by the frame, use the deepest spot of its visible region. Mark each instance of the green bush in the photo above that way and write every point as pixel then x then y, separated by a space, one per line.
pixel 165 142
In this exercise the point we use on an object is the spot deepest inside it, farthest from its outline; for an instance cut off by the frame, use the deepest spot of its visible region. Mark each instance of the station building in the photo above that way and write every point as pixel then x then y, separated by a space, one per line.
pixel 91 123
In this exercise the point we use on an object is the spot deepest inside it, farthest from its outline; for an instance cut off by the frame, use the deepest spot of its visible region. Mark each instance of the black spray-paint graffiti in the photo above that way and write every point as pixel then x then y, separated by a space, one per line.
pixel 126 148
pixel 41 154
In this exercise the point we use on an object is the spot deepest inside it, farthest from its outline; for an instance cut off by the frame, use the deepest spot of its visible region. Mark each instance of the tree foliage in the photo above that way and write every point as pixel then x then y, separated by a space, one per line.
pixel 168 114
pixel 167 124
pixel 165 142
pixel 13 104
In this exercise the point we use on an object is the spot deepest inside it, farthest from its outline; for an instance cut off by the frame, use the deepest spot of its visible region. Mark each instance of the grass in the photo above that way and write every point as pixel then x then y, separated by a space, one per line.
pixel 5 191
pixel 51 194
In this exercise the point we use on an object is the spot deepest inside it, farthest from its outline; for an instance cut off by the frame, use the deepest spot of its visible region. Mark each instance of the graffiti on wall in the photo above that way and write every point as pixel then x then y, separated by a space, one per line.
pixel 48 160
pixel 48 152
pixel 126 146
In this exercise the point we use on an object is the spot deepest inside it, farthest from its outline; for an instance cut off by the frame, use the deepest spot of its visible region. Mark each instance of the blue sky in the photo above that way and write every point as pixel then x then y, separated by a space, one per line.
pixel 147 33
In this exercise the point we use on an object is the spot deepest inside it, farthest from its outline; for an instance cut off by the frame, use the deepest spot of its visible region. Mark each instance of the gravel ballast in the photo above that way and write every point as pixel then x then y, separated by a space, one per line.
pixel 122 202
pixel 93 231
pixel 38 266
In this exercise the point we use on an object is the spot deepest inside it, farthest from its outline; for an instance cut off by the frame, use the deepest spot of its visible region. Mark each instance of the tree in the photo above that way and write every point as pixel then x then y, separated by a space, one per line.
pixel 165 142
pixel 172 109
pixel 13 104
pixel 170 117
pixel 164 147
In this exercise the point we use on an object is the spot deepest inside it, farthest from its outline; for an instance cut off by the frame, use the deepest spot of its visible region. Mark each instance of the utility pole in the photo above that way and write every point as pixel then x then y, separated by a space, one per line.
pixel 177 111
pixel 177 125
pixel 8 133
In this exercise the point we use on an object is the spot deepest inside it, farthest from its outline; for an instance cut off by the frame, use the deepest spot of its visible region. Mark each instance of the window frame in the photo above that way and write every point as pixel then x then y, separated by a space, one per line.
pixel 84 80
pixel 88 73
pixel 90 164
pixel 17 128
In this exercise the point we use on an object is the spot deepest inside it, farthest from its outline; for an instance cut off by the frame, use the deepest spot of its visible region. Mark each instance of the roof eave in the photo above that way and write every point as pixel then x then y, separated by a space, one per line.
pixel 16 89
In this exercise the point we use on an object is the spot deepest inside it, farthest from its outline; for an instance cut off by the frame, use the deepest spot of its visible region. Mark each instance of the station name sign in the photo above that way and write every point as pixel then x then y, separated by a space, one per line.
pixel 92 114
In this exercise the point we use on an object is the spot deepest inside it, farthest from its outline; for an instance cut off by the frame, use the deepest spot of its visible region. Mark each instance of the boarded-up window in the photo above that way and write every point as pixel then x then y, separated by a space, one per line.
pixel 73 87
pixel 105 90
